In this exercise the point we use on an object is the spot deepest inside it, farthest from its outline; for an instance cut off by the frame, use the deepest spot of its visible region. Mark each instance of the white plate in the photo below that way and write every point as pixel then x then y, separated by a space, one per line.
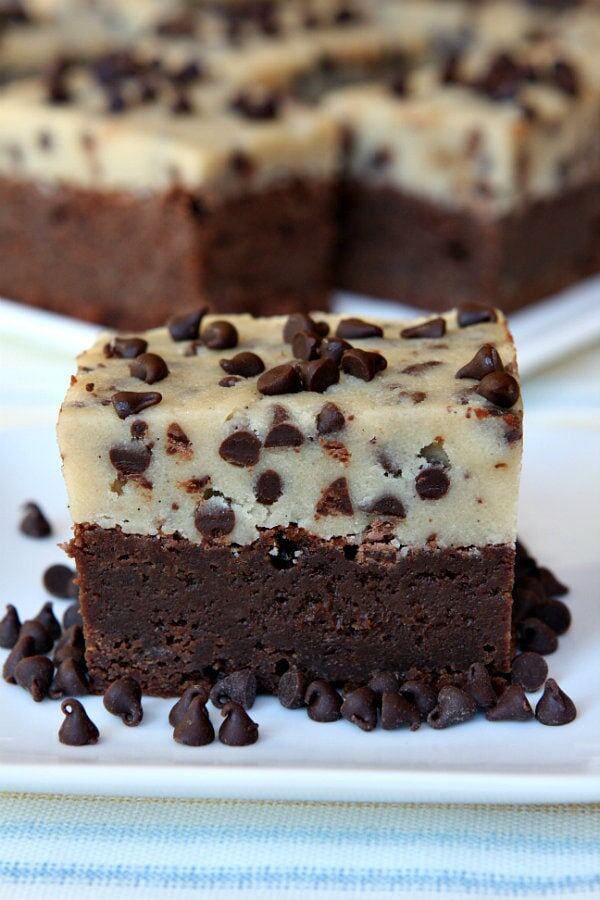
pixel 296 758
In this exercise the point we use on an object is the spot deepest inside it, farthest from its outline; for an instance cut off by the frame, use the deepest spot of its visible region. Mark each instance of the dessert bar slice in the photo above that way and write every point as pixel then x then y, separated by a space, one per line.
pixel 329 493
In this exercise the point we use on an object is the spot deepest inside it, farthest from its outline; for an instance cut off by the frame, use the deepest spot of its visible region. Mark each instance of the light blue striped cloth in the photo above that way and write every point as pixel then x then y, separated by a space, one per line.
pixel 60 848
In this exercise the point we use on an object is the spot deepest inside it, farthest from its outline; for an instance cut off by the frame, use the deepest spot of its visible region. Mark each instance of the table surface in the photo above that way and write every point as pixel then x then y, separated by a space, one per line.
pixel 67 847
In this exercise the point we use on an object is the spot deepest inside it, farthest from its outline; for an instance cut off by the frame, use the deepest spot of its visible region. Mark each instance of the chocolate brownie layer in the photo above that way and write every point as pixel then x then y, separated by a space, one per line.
pixel 395 245
pixel 170 612
pixel 134 259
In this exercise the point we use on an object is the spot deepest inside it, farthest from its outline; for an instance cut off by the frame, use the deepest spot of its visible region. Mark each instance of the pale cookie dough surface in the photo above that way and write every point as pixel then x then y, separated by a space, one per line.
pixel 390 425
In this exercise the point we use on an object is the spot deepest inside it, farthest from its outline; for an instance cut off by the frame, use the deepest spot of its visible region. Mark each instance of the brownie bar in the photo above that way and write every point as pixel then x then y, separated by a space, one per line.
pixel 131 259
pixel 154 609
pixel 395 245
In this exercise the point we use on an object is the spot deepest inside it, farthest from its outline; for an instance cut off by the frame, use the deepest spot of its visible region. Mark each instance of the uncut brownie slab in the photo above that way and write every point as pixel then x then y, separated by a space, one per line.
pixel 477 179
pixel 352 511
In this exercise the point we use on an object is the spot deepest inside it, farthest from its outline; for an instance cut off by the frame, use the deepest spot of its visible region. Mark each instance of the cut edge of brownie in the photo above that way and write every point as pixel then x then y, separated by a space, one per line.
pixel 396 245
pixel 173 613
pixel 130 260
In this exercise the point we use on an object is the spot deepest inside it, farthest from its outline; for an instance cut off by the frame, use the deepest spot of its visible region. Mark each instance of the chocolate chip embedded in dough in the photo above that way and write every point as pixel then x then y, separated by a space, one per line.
pixel 220 335
pixel 432 483
pixel 178 441
pixel 357 329
pixel 335 500
pixel 186 327
pixel 245 364
pixel 284 435
pixel 214 521
pixel 241 448
pixel 77 730
pixel 433 328
pixel 268 488
pixel 499 388
pixel 388 505
pixel 319 375
pixel 555 707
pixel 330 419
pixel 468 314
pixel 34 523
pixel 130 459
pixel 149 367
pixel 486 360
pixel 238 729
pixel 363 364
pixel 130 403
pixel 284 379
pixel 125 347
pixel 123 698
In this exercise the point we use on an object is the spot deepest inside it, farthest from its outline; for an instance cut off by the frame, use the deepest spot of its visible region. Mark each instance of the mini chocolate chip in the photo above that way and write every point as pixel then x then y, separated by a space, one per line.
pixel 357 329
pixel 292 688
pixel 25 646
pixel 486 360
pixel 555 614
pixel 499 388
pixel 10 626
pixel 537 636
pixel 511 706
pixel 434 328
pixel 47 618
pixel 34 674
pixel 34 523
pixel 388 505
pixel 179 710
pixel 138 429
pixel 130 459
pixel 397 711
pixel 130 403
pixel 334 348
pixel 72 616
pixel 193 727
pixel 125 347
pixel 149 367
pixel 565 77
pixel 297 323
pixel 552 586
pixel 245 364
pixel 229 381
pixel 380 682
pixel 363 364
pixel 335 499
pixel 240 448
pixel 432 483
pixel 268 487
pixel 70 680
pixel 330 420
pixel 421 695
pixel 305 345
pixel 178 441
pixel 473 314
pixel 42 639
pixel 220 335
pixel 123 698
pixel 239 687
pixel 453 707
pixel 70 646
pixel 284 435
pixel 59 581
pixel 554 706
pixel 284 379
pixel 238 729
pixel 322 701
pixel 360 708
pixel 260 108
pixel 186 327
pixel 242 163
pixel 214 522
pixel 480 687
pixel 319 374
pixel 530 670
pixel 77 730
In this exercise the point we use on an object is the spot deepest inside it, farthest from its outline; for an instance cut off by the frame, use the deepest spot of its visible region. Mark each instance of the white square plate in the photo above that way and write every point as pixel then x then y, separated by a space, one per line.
pixel 296 758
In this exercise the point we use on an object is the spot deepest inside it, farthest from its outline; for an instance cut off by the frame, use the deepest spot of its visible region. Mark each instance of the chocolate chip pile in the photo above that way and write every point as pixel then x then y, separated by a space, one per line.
pixel 47 659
